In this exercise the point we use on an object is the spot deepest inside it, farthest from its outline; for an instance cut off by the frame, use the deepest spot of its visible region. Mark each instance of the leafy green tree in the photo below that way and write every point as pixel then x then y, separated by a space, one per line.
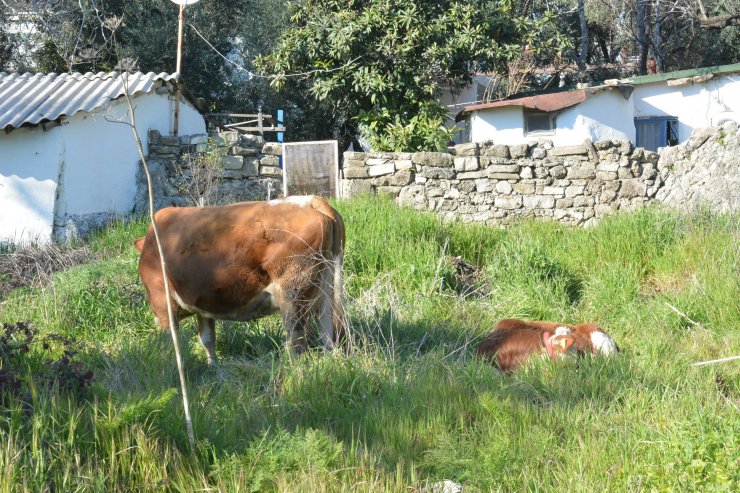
pixel 382 63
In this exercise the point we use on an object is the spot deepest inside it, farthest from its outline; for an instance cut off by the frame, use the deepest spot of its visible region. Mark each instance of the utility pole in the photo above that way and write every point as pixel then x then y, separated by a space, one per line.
pixel 178 69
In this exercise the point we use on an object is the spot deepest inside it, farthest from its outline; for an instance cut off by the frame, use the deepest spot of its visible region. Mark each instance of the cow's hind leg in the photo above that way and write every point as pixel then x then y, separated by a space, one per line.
pixel 324 310
pixel 296 319
pixel 207 333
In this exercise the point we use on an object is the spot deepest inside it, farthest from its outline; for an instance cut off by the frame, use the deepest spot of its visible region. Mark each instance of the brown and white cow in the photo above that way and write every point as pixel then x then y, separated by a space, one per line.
pixel 513 341
pixel 247 260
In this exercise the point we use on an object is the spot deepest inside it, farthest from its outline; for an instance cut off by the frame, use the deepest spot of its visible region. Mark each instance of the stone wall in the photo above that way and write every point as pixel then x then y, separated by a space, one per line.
pixel 703 172
pixel 497 184
pixel 246 168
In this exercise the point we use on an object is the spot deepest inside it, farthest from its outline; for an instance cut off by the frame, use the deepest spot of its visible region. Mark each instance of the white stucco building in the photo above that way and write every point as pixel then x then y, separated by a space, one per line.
pixel 68 157
pixel 652 111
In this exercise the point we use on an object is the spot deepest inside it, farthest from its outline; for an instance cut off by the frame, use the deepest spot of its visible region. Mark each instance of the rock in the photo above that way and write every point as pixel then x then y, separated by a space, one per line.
pixel 242 151
pixel 510 202
pixel 355 173
pixel 274 148
pixel 632 188
pixel 498 151
pixel 270 171
pixel 469 163
pixel 434 172
pixel 432 159
pixel 518 151
pixel 232 162
pixel 558 171
pixel 153 135
pixel 251 167
pixel 538 153
pixel 568 151
pixel 248 140
pixel 380 169
pixel 466 150
pixel 270 161
pixel 397 179
pixel 226 139
pixel 504 187
pixel 354 163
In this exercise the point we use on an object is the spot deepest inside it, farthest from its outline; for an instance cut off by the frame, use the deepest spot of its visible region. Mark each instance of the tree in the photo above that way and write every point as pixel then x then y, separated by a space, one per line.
pixel 381 64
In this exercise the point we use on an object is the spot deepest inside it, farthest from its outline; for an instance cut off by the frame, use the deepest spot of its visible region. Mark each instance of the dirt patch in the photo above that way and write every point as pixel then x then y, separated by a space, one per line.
pixel 674 282
pixel 467 279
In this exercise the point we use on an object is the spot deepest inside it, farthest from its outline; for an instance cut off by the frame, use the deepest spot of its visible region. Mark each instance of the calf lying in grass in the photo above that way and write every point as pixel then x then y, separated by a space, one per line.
pixel 513 341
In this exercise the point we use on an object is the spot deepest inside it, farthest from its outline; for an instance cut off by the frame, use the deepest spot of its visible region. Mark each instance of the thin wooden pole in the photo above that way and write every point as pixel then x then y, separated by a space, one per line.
pixel 174 329
pixel 181 27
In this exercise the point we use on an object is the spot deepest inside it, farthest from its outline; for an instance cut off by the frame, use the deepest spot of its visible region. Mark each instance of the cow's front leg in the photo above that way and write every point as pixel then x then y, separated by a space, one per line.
pixel 207 333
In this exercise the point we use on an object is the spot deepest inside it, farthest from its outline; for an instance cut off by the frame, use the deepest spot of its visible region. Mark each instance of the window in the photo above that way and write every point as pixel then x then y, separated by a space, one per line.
pixel 652 132
pixel 538 122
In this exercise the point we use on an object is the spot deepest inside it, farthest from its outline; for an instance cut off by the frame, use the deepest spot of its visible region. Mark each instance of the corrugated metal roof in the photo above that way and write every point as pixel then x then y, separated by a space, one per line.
pixel 30 99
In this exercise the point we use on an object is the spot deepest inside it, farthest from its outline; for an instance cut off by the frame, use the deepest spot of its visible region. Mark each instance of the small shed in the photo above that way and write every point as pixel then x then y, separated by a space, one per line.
pixel 68 157
pixel 652 111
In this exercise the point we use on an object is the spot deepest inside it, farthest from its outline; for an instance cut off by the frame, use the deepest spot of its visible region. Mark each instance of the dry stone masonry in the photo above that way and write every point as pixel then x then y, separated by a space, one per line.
pixel 497 184
pixel 704 172
pixel 245 167
pixel 489 182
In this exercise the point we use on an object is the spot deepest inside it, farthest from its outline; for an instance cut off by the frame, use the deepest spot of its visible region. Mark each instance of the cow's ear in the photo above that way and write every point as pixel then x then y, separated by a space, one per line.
pixel 139 243
pixel 564 343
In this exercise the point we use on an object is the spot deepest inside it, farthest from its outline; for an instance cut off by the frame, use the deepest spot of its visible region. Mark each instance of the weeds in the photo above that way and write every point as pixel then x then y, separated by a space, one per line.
pixel 17 374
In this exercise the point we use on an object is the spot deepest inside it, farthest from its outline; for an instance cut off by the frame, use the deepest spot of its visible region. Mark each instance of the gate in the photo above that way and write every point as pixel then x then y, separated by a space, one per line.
pixel 311 168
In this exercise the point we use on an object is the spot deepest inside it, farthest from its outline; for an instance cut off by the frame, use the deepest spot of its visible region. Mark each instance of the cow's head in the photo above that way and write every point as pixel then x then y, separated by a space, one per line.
pixel 139 243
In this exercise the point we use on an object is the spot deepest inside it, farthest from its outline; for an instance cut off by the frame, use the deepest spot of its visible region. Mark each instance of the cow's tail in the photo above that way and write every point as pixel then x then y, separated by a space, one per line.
pixel 342 336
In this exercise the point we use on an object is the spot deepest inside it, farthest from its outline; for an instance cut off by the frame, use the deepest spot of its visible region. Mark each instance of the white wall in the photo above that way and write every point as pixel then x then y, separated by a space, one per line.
pixel 693 104
pixel 503 125
pixel 605 115
pixel 98 159
pixel 28 178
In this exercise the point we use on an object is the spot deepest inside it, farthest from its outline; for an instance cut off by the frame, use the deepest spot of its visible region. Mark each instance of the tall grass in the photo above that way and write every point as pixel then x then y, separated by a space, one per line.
pixel 411 406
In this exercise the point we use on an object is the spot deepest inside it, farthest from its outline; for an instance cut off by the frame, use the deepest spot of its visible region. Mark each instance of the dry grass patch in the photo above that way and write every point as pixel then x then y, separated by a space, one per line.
pixel 33 266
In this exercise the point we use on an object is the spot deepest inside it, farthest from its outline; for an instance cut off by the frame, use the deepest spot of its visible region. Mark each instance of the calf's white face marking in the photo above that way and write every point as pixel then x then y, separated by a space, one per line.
pixel 562 331
pixel 603 344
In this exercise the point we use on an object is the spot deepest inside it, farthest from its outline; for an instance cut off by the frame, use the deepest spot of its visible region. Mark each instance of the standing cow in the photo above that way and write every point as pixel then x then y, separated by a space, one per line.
pixel 247 260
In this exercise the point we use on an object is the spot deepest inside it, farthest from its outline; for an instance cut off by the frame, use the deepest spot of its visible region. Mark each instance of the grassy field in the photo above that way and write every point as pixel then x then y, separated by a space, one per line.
pixel 411 406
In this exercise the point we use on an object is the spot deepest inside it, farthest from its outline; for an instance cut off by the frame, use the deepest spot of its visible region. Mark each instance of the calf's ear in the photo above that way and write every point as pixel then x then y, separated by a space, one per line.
pixel 139 243
pixel 564 343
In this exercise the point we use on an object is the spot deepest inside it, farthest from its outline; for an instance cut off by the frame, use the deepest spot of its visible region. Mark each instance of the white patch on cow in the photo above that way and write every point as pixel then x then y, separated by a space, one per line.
pixel 602 343
pixel 562 331
pixel 192 308
pixel 299 200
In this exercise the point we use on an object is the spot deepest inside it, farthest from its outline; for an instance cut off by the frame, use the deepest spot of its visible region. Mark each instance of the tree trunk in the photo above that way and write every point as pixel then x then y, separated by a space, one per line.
pixel 642 35
pixel 658 42
pixel 582 59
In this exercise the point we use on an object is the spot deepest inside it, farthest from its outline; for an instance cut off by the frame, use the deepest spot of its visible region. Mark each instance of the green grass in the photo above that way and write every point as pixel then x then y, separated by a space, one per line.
pixel 411 406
